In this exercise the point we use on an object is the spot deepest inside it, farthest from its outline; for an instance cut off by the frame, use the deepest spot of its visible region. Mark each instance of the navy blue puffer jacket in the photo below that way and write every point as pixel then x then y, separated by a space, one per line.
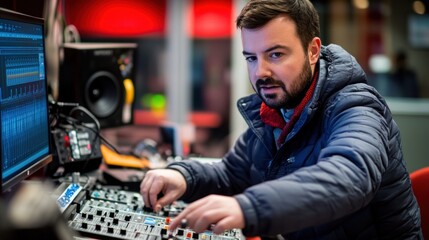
pixel 339 175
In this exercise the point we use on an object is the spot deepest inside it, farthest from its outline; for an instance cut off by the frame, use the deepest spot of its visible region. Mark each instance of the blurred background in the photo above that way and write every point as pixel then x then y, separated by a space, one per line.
pixel 188 70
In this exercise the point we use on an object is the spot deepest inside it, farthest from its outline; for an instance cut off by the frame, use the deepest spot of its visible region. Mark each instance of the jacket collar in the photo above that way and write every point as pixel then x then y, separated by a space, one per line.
pixel 274 118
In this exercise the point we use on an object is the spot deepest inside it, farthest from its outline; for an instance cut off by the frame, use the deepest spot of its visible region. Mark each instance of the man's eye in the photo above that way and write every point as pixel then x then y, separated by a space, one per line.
pixel 250 59
pixel 276 55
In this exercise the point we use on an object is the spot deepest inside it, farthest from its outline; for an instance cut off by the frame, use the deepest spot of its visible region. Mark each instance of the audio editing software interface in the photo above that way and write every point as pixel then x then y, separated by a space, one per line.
pixel 24 128
pixel 108 212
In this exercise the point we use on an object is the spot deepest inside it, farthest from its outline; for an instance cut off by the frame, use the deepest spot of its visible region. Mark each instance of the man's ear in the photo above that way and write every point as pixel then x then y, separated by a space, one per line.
pixel 314 50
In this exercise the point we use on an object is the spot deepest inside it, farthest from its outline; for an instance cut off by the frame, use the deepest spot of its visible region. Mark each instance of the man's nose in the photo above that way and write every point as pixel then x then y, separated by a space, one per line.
pixel 262 70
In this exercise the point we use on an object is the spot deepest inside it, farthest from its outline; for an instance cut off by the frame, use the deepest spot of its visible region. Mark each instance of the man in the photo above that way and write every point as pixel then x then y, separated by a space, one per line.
pixel 321 158
pixel 404 82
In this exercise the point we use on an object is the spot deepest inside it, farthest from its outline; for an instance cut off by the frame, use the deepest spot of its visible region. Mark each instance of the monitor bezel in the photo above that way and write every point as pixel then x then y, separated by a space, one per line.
pixel 26 172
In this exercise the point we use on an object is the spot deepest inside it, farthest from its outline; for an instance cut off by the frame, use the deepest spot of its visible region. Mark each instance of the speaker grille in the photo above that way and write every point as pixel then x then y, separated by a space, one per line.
pixel 102 94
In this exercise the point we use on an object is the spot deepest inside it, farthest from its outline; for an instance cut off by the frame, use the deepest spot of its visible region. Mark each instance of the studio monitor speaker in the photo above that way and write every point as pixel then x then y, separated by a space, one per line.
pixel 99 77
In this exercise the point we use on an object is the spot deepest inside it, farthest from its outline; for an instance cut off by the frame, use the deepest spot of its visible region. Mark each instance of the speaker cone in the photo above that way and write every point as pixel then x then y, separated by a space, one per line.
pixel 102 94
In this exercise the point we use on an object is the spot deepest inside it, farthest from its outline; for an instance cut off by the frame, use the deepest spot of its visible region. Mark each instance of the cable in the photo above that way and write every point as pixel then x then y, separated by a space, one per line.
pixel 103 139
pixel 88 113
pixel 75 122
pixel 71 119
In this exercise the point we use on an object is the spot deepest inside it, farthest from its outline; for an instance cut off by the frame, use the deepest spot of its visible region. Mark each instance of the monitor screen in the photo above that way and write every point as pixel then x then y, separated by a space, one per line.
pixel 24 115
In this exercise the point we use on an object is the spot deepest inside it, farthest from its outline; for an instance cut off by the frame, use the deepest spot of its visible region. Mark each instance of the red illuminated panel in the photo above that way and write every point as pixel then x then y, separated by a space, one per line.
pixel 134 18
pixel 211 19
pixel 113 18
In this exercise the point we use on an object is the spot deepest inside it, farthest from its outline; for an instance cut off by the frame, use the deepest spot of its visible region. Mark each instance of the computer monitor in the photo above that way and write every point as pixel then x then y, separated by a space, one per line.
pixel 25 136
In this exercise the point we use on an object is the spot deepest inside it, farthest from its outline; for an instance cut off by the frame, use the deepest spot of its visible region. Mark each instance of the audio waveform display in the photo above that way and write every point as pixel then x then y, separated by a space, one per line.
pixel 23 119
pixel 21 69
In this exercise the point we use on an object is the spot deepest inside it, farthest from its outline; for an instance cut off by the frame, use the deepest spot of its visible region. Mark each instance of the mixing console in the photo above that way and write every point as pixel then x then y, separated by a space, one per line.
pixel 110 213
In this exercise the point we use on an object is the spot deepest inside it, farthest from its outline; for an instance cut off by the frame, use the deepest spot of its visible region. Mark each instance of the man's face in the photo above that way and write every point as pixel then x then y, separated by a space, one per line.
pixel 279 69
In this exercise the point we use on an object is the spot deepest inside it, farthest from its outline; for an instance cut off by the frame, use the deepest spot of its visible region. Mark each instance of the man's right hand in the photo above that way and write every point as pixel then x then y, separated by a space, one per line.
pixel 170 183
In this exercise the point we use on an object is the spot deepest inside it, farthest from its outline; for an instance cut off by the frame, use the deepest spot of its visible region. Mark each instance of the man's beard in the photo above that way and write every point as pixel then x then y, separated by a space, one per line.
pixel 289 98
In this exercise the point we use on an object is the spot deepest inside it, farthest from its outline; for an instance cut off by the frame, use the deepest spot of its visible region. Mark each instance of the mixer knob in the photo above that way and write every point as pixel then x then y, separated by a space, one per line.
pixel 115 221
pixel 84 225
pixel 123 232
pixel 96 194
pixel 110 230
pixel 127 218
pixel 122 196
pixel 147 209
pixel 78 208
pixel 98 227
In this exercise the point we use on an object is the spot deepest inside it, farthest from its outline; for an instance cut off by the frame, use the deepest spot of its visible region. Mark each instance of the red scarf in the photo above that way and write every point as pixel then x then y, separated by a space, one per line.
pixel 274 118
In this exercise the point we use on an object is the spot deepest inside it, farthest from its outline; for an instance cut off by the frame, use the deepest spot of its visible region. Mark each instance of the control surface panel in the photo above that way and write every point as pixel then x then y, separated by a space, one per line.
pixel 110 213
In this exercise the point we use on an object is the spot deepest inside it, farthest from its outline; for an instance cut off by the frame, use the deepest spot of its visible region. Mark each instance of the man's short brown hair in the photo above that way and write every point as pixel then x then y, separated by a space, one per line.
pixel 257 13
